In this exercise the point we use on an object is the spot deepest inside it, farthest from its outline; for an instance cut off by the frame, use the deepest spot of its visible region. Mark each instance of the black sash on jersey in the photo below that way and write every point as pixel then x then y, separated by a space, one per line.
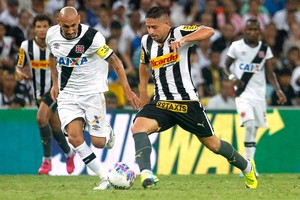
pixel 247 75
pixel 86 41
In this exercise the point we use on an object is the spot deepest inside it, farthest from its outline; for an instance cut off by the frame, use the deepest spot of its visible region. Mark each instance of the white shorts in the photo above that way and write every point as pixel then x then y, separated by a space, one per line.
pixel 91 108
pixel 252 109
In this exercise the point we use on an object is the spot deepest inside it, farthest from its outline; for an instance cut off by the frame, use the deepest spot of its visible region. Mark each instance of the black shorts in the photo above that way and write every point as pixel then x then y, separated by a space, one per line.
pixel 48 100
pixel 189 115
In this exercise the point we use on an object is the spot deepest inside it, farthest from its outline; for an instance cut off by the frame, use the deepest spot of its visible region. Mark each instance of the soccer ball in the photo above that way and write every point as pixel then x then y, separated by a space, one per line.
pixel 121 176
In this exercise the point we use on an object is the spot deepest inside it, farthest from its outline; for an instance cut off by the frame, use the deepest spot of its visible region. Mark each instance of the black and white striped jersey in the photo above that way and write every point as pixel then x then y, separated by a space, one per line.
pixel 37 58
pixel 171 72
pixel 81 64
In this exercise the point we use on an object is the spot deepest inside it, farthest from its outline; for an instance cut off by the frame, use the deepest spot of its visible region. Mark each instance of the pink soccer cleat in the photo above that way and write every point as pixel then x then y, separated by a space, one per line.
pixel 70 164
pixel 45 168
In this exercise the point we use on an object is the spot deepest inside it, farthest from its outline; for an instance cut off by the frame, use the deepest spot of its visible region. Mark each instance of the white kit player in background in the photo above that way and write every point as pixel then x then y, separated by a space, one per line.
pixel 79 66
pixel 248 62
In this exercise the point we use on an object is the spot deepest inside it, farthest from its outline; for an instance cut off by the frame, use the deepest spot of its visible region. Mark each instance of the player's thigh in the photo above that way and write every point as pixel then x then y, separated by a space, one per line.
pixel 245 109
pixel 74 130
pixel 152 119
pixel 95 114
pixel 260 113
pixel 68 110
pixel 43 114
pixel 195 120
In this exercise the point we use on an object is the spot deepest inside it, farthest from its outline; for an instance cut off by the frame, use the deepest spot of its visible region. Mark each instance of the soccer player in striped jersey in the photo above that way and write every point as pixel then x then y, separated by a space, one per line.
pixel 34 54
pixel 79 67
pixel 165 50
pixel 248 63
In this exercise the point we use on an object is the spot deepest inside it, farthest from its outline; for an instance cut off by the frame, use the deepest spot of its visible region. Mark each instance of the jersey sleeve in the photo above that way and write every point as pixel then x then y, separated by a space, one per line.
pixel 269 53
pixel 184 30
pixel 231 51
pixel 22 58
pixel 103 50
pixel 144 59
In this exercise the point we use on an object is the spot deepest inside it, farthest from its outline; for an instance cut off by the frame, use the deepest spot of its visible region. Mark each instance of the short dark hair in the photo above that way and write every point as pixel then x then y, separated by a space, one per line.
pixel 156 12
pixel 253 20
pixel 39 18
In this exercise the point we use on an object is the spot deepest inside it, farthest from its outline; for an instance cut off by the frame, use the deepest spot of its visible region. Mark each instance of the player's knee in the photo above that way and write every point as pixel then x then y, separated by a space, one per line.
pixel 42 121
pixel 99 142
pixel 133 129
pixel 212 143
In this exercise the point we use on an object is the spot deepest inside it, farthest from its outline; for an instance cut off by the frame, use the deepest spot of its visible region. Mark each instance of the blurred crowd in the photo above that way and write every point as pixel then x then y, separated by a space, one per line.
pixel 122 24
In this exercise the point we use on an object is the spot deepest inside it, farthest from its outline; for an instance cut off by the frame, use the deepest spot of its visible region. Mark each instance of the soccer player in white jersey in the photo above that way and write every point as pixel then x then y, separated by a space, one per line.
pixel 79 81
pixel 33 61
pixel 175 102
pixel 248 62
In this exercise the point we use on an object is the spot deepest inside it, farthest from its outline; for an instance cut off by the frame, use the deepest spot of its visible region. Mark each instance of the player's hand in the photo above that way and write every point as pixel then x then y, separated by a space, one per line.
pixel 176 45
pixel 54 92
pixel 22 73
pixel 133 99
pixel 238 83
pixel 281 97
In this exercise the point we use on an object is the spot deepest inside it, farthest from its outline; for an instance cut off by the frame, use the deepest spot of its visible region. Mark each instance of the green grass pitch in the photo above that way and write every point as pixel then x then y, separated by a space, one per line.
pixel 171 187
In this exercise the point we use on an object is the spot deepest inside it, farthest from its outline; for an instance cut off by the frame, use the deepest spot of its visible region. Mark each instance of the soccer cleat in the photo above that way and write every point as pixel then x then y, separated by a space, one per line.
pixel 103 185
pixel 149 180
pixel 70 164
pixel 45 168
pixel 242 175
pixel 250 178
pixel 111 140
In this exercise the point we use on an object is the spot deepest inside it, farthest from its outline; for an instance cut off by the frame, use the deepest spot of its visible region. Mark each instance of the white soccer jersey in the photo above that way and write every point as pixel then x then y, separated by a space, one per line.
pixel 244 55
pixel 80 61
pixel 171 72
pixel 38 59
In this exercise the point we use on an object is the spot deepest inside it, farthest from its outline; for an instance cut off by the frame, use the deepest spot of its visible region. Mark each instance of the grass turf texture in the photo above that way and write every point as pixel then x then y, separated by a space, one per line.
pixel 183 187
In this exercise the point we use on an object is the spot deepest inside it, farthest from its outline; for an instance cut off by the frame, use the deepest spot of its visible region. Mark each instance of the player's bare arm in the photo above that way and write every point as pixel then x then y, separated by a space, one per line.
pixel 273 80
pixel 54 89
pixel 144 73
pixel 237 82
pixel 116 63
pixel 202 33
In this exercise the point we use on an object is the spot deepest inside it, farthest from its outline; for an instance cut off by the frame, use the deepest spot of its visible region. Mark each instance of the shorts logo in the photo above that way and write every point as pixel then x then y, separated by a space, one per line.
pixel 174 107
pixel 96 119
pixel 243 114
pixel 79 48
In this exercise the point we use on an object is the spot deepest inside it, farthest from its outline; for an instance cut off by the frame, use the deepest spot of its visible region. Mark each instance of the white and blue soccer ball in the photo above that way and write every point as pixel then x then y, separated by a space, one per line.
pixel 121 176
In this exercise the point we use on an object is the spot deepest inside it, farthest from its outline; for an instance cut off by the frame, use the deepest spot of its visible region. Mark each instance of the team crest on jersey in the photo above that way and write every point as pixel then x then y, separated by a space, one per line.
pixel 171 40
pixel 79 48
pixel 56 46
pixel 261 54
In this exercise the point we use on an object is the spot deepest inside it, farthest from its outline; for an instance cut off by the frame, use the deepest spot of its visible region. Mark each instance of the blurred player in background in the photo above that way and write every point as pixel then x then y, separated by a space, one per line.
pixel 175 102
pixel 248 62
pixel 33 62
pixel 79 66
